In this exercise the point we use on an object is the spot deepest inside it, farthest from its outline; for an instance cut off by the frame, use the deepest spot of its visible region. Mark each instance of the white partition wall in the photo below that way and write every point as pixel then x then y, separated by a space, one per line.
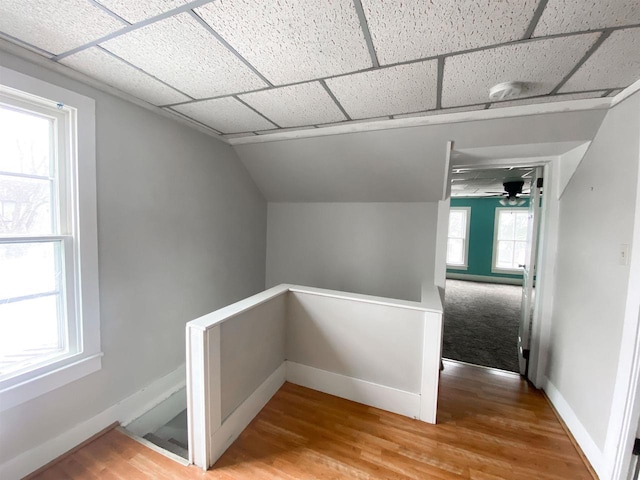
pixel 381 352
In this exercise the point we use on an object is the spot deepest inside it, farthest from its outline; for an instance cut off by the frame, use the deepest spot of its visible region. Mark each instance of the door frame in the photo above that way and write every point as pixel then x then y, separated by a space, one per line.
pixel 545 257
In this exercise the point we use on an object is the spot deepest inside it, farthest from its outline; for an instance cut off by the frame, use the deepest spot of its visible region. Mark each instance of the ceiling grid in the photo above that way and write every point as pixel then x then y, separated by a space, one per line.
pixel 282 65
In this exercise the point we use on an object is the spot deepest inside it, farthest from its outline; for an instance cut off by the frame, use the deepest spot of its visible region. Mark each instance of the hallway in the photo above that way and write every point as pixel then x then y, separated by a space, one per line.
pixel 491 425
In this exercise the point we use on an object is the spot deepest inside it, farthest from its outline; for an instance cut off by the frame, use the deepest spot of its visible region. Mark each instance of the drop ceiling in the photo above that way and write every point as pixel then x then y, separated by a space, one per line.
pixel 243 67
pixel 487 182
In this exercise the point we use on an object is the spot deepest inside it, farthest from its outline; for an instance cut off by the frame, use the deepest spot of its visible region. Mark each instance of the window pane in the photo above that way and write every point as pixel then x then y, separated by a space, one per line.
pixel 505 254
pixel 455 251
pixel 457 223
pixel 29 332
pixel 520 254
pixel 506 225
pixel 522 225
pixel 29 269
pixel 25 143
pixel 25 205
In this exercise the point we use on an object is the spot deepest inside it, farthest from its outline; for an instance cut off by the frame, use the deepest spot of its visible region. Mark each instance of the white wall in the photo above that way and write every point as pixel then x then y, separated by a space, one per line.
pixel 596 217
pixel 181 232
pixel 376 343
pixel 252 347
pixel 381 249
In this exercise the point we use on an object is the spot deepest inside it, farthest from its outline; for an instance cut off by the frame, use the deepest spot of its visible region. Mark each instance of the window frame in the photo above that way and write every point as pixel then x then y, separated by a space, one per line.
pixel 494 257
pixel 80 242
pixel 465 249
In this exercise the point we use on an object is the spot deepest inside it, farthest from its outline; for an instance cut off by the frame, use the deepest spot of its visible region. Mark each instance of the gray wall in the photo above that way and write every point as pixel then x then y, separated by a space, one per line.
pixel 596 216
pixel 181 231
pixel 382 249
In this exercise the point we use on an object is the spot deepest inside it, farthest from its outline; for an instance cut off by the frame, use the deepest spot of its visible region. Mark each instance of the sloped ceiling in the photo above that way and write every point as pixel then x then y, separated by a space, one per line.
pixel 246 67
pixel 404 164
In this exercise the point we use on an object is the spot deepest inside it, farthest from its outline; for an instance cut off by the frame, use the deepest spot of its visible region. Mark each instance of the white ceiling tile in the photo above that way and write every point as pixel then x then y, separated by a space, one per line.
pixel 563 16
pixel 542 64
pixel 616 63
pixel 182 53
pixel 103 66
pixel 429 113
pixel 388 91
pixel 226 115
pixel 56 26
pixel 296 105
pixel 548 99
pixel 410 30
pixel 136 11
pixel 291 40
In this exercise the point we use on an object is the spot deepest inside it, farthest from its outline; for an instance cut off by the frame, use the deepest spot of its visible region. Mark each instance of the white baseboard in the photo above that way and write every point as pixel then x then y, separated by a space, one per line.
pixel 361 391
pixel 235 423
pixel 586 443
pixel 484 279
pixel 124 411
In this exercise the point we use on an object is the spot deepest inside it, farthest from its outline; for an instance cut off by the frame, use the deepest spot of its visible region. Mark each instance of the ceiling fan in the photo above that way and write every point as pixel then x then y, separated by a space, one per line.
pixel 512 188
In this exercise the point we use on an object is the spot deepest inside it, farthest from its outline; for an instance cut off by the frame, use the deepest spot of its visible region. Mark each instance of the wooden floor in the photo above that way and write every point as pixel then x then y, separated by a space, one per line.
pixel 490 426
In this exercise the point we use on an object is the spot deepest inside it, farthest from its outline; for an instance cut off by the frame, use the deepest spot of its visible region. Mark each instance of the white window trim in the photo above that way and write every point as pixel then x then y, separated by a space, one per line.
pixel 465 265
pixel 494 256
pixel 88 359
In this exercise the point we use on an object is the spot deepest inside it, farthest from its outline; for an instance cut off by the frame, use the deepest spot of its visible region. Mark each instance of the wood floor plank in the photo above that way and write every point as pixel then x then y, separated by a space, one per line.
pixel 491 426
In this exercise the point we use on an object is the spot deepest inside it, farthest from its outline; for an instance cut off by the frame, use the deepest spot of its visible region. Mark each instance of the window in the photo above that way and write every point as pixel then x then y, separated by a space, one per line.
pixel 457 244
pixel 510 239
pixel 49 312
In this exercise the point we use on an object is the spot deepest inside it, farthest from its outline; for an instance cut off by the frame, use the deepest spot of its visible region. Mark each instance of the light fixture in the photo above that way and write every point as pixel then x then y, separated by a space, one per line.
pixel 506 90
pixel 513 189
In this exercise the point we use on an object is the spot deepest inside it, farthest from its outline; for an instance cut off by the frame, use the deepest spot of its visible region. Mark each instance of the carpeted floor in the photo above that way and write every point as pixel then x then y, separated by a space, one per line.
pixel 481 323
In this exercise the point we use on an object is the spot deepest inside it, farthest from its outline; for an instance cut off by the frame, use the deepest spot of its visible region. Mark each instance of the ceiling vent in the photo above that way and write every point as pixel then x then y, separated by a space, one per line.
pixel 506 90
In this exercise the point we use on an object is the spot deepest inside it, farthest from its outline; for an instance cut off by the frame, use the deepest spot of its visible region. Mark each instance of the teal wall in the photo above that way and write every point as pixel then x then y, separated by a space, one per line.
pixel 483 211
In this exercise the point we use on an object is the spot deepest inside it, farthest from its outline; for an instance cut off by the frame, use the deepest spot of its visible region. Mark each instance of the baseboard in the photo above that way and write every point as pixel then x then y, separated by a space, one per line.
pixel 484 278
pixel 235 423
pixel 589 448
pixel 124 411
pixel 159 415
pixel 361 391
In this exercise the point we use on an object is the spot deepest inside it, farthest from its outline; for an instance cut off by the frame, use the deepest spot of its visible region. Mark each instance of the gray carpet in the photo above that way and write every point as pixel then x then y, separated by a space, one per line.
pixel 481 323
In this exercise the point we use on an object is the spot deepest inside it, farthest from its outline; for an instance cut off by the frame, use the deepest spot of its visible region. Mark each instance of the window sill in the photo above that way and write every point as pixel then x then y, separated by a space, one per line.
pixel 508 271
pixel 34 387
pixel 457 267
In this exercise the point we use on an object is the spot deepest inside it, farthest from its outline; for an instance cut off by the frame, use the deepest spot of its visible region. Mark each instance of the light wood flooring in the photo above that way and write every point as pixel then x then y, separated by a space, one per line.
pixel 491 426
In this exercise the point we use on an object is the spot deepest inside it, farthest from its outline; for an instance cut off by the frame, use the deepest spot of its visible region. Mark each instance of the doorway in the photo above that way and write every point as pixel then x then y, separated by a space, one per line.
pixel 491 250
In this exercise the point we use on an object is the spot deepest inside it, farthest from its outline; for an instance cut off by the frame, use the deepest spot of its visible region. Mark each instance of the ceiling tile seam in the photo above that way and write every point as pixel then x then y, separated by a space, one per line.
pixel 536 18
pixel 179 114
pixel 364 26
pixel 144 72
pixel 603 36
pixel 226 45
pixel 26 45
pixel 439 83
pixel 132 27
pixel 259 113
pixel 407 62
pixel 608 92
pixel 109 12
pixel 335 100
pixel 487 106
